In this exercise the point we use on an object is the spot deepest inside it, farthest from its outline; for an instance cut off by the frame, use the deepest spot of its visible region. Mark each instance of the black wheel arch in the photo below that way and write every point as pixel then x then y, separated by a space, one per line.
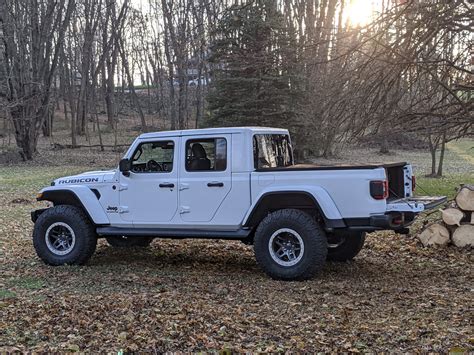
pixel 61 197
pixel 301 200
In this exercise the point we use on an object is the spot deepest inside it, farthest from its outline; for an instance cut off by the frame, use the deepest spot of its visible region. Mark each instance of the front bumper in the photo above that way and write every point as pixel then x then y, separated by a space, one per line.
pixel 36 213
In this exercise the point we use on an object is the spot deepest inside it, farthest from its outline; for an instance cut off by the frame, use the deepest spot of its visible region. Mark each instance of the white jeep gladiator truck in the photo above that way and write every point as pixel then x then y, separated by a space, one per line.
pixel 227 183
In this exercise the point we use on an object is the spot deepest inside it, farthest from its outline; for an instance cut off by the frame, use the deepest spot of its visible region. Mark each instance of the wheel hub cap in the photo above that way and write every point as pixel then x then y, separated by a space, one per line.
pixel 60 238
pixel 286 247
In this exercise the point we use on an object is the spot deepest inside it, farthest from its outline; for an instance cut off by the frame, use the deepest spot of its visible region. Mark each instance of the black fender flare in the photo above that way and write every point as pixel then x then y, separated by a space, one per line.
pixel 275 200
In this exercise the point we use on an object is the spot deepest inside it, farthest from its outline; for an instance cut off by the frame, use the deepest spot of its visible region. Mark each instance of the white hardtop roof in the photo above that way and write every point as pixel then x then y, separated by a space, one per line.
pixel 220 130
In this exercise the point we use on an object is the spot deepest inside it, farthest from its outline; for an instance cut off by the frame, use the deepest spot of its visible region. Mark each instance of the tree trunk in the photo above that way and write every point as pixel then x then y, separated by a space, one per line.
pixel 441 156
pixel 433 147
pixel 25 130
pixel 131 87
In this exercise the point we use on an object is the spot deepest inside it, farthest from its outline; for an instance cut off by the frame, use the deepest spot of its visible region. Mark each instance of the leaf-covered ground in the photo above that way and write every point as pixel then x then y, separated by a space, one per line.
pixel 210 295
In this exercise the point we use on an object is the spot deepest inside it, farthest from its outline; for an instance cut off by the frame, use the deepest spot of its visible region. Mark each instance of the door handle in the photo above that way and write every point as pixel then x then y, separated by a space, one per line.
pixel 167 184
pixel 215 184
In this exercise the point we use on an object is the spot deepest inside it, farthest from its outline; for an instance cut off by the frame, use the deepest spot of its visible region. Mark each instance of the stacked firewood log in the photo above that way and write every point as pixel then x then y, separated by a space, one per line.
pixel 457 224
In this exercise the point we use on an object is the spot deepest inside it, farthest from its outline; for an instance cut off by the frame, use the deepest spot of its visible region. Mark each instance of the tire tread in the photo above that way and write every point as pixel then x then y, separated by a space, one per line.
pixel 353 244
pixel 316 245
pixel 87 232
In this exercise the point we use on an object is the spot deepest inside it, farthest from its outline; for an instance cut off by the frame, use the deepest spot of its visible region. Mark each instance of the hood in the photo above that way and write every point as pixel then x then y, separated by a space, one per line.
pixel 87 178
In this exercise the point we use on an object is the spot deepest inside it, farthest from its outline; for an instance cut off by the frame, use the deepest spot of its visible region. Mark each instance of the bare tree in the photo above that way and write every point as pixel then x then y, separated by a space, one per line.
pixel 32 36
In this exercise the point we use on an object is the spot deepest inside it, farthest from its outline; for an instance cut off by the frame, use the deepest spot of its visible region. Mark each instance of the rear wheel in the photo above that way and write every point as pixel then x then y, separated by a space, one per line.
pixel 64 235
pixel 345 246
pixel 290 245
pixel 126 242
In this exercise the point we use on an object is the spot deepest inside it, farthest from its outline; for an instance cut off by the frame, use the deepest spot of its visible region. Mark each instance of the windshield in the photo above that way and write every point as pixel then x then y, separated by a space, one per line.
pixel 272 151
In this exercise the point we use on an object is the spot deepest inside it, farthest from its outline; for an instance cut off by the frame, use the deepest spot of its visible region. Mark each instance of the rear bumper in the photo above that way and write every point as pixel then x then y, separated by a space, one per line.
pixel 397 221
pixel 400 214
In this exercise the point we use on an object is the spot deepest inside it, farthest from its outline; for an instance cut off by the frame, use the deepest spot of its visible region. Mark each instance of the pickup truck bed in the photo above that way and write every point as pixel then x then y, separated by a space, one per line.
pixel 395 171
pixel 344 166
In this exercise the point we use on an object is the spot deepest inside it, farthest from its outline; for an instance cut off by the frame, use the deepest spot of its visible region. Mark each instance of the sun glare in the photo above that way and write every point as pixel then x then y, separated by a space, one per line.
pixel 360 12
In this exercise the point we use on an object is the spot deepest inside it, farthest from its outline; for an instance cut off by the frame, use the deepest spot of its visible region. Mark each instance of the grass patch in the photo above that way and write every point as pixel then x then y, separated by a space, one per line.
pixel 28 283
pixel 35 176
pixel 464 148
pixel 445 186
pixel 5 294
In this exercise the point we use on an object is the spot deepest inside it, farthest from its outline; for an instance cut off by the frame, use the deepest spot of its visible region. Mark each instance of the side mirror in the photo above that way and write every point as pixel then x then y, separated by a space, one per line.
pixel 125 166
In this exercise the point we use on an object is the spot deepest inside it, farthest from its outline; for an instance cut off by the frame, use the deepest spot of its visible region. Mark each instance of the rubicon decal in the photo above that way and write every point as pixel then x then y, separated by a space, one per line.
pixel 78 181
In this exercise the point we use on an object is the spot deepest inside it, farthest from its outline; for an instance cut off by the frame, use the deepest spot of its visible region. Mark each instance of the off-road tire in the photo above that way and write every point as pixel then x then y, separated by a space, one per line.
pixel 127 242
pixel 312 235
pixel 78 221
pixel 351 245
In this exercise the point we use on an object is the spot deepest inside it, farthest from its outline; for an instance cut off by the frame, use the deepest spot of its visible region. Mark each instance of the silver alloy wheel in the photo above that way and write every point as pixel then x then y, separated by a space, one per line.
pixel 60 238
pixel 286 247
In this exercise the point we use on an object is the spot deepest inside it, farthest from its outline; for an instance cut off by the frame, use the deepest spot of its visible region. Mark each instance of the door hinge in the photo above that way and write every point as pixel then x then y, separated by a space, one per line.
pixel 123 209
pixel 183 186
pixel 184 209
pixel 123 187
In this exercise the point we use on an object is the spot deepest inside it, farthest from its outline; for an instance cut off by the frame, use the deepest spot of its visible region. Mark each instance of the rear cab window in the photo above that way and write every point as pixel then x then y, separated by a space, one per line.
pixel 272 151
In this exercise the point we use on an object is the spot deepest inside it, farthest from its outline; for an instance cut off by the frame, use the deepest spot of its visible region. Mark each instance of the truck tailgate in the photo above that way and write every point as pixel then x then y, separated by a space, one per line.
pixel 415 204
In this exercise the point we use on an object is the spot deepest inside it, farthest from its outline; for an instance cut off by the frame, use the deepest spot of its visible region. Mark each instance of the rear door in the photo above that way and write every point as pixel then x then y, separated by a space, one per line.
pixel 205 176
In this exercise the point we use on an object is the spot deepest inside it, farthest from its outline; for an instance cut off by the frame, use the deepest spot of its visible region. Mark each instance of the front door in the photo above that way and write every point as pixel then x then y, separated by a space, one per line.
pixel 149 195
pixel 205 176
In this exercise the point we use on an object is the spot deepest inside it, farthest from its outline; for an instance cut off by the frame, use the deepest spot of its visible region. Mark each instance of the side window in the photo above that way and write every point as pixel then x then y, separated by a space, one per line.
pixel 271 151
pixel 206 154
pixel 153 157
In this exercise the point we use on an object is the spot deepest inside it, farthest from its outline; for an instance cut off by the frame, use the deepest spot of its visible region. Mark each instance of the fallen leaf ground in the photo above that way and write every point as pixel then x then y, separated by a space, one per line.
pixel 210 295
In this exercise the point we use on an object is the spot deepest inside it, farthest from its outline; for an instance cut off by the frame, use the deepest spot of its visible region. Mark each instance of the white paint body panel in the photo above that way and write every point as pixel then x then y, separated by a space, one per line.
pixel 340 193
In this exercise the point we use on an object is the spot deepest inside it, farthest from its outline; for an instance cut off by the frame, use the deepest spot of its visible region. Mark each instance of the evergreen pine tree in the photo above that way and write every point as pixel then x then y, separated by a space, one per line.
pixel 252 83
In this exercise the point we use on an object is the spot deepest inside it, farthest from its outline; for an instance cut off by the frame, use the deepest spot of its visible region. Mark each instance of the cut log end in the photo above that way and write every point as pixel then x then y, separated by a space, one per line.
pixel 465 198
pixel 452 216
pixel 434 234
pixel 463 236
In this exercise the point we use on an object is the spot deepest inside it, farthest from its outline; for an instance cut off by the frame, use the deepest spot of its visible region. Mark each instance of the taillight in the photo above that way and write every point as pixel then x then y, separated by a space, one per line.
pixel 379 189
pixel 413 183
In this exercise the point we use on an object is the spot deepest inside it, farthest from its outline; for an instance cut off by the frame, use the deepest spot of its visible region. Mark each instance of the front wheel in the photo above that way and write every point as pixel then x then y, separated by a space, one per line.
pixel 290 245
pixel 345 246
pixel 126 242
pixel 64 235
